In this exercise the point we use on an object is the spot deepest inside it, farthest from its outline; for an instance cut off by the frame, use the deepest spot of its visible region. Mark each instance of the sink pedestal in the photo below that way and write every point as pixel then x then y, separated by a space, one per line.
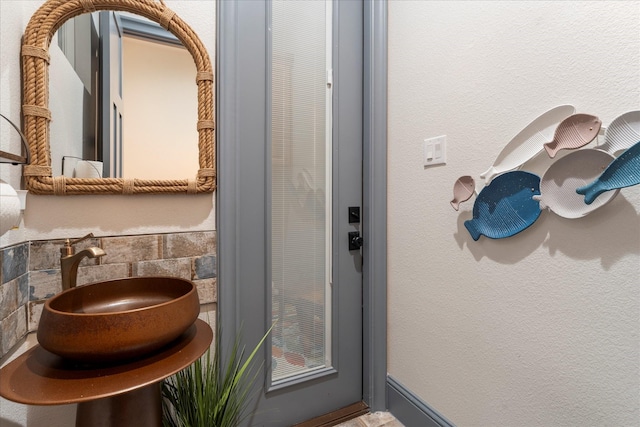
pixel 137 408
pixel 122 395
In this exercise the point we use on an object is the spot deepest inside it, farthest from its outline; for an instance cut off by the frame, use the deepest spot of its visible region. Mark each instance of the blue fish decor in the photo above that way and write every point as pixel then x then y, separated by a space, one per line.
pixel 506 206
pixel 622 172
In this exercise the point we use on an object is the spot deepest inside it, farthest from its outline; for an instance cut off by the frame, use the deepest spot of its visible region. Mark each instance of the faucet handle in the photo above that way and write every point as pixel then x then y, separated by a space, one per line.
pixel 73 242
pixel 68 248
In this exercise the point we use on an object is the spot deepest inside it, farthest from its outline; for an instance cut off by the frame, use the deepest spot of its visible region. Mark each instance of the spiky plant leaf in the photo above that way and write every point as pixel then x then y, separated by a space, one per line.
pixel 206 394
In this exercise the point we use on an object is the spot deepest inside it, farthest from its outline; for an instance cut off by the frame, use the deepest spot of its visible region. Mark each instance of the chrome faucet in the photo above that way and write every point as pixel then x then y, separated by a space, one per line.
pixel 69 260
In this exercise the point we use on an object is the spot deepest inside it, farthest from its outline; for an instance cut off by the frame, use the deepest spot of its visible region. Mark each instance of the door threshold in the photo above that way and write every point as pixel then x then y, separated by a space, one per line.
pixel 336 417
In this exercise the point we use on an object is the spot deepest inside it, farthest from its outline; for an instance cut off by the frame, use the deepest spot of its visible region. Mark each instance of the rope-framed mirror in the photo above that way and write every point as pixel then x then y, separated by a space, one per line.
pixel 36 114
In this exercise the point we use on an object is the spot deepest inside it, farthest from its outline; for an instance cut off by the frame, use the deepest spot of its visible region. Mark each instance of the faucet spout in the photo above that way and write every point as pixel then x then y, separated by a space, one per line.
pixel 69 263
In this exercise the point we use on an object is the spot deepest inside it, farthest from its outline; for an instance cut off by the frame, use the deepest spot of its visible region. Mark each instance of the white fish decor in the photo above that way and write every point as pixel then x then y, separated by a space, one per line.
pixel 528 142
pixel 622 133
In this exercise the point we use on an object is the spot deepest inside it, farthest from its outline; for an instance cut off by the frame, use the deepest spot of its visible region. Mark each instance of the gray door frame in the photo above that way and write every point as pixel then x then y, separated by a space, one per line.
pixel 235 161
pixel 374 199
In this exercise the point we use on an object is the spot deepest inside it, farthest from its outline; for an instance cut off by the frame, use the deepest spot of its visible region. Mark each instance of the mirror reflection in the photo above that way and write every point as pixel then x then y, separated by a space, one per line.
pixel 124 100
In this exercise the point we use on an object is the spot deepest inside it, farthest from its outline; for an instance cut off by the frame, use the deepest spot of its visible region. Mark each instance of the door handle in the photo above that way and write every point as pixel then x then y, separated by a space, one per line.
pixel 355 240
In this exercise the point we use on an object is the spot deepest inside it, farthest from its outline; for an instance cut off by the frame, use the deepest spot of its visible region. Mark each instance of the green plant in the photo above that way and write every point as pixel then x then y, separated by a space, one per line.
pixel 207 394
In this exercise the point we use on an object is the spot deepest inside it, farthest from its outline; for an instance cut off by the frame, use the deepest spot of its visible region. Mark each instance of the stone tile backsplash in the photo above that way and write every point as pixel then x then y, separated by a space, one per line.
pixel 131 249
pixel 204 267
pixel 15 261
pixel 14 295
pixel 189 245
pixel 30 272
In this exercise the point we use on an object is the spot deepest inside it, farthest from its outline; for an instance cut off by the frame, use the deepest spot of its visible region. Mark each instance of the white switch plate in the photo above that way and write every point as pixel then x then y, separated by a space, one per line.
pixel 435 151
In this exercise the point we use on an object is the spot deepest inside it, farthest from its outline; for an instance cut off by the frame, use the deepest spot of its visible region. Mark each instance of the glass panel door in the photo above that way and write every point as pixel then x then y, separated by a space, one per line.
pixel 301 193
pixel 290 143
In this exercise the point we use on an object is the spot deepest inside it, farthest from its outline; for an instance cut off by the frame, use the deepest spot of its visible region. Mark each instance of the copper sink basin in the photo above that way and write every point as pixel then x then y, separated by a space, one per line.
pixel 118 320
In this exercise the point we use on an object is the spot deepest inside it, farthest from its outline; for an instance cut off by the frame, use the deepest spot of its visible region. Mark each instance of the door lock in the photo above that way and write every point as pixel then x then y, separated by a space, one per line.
pixel 355 240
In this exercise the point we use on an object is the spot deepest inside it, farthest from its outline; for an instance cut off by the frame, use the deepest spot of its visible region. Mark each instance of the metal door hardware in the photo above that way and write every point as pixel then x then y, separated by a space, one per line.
pixel 355 240
pixel 354 214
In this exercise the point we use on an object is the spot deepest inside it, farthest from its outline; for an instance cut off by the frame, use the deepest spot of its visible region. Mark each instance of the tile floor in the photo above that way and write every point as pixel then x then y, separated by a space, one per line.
pixel 376 419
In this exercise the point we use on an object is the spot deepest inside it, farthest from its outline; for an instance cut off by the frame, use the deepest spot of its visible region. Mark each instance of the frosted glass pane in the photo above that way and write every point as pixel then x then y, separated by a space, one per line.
pixel 301 190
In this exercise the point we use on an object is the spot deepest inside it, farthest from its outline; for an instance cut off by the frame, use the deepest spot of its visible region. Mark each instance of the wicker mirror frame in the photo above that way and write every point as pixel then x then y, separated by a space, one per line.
pixel 36 114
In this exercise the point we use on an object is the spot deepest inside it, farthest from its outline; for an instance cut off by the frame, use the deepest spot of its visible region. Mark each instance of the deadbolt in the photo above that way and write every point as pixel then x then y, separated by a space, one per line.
pixel 355 240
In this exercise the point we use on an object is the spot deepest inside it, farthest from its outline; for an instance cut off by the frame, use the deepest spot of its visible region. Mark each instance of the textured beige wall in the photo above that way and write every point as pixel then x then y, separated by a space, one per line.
pixel 540 329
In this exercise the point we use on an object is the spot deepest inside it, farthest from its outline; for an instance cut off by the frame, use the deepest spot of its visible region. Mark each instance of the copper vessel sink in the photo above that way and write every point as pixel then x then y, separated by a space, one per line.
pixel 117 320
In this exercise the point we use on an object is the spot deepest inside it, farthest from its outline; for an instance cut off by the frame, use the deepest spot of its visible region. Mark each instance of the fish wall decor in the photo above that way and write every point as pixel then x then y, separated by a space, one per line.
pixel 463 189
pixel 573 184
pixel 506 206
pixel 528 142
pixel 560 181
pixel 622 133
pixel 623 172
pixel 574 132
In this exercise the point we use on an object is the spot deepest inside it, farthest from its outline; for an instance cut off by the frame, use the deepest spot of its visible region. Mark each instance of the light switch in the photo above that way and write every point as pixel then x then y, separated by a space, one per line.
pixel 428 152
pixel 435 151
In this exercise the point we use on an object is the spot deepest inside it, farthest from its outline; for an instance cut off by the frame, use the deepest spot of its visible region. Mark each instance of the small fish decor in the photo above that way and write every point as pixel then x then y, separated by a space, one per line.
pixel 463 189
pixel 506 206
pixel 622 172
pixel 573 132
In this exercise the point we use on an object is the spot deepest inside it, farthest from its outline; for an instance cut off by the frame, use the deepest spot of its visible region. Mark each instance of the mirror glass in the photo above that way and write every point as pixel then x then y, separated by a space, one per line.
pixel 123 98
